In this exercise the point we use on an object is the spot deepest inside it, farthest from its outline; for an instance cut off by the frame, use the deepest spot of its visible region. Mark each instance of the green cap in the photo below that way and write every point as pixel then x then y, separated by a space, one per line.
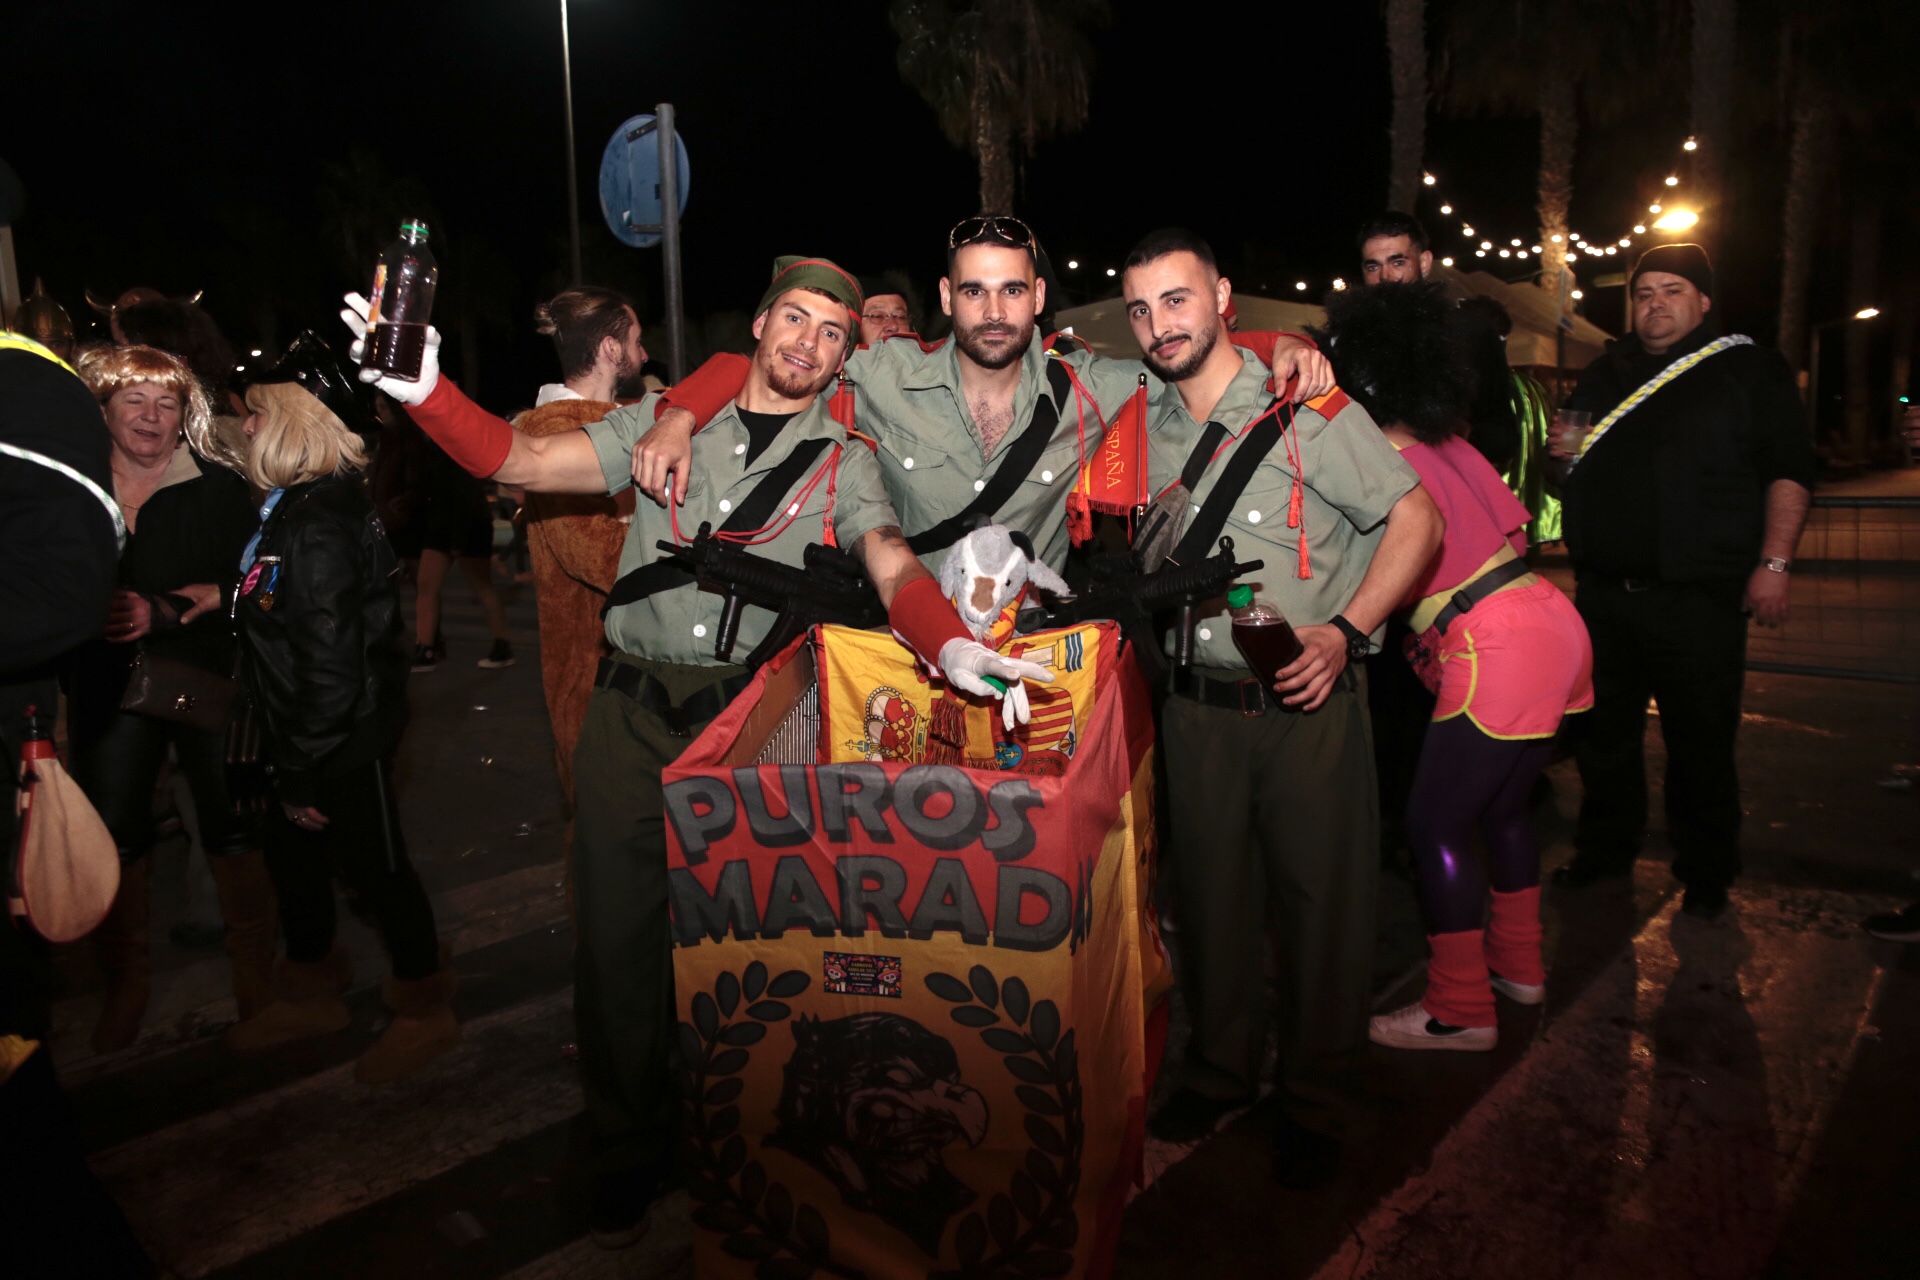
pixel 1239 596
pixel 796 272
pixel 414 225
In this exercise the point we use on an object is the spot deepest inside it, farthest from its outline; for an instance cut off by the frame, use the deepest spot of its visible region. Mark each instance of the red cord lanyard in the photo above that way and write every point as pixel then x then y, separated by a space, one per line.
pixel 1232 440
pixel 828 470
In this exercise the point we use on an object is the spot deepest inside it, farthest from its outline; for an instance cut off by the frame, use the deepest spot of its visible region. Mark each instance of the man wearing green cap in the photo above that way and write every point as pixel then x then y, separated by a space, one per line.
pixel 775 472
pixel 987 425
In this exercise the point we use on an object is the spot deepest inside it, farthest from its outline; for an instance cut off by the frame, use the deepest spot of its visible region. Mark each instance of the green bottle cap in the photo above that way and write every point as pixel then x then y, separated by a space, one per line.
pixel 415 226
pixel 1239 596
pixel 996 683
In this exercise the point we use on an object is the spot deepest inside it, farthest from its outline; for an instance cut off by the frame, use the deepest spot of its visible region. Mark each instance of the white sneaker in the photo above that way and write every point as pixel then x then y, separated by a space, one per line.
pixel 1519 992
pixel 1413 1028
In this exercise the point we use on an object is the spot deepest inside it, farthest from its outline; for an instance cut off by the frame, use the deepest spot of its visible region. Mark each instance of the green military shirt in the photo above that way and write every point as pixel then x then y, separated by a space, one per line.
pixel 678 625
pixel 1353 477
pixel 910 401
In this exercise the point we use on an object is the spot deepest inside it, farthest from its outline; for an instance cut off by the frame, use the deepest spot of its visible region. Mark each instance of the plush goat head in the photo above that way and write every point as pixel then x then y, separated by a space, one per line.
pixel 987 569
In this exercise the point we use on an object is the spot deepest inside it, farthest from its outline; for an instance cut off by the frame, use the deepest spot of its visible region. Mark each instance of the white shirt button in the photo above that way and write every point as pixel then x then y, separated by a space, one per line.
pixel 1196 507
pixel 1205 633
pixel 1046 477
pixel 1253 517
pixel 739 449
pixel 699 630
pixel 978 485
pixel 726 505
pixel 907 463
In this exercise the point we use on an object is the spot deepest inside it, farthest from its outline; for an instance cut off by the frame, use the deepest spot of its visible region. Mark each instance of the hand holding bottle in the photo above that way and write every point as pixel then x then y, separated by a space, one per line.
pixel 355 316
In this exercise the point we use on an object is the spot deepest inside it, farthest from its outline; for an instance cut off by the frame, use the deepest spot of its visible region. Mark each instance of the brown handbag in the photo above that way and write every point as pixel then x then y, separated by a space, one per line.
pixel 169 689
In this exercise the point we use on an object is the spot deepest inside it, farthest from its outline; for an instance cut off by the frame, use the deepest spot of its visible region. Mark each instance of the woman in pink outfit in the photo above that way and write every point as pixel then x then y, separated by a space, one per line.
pixel 1503 650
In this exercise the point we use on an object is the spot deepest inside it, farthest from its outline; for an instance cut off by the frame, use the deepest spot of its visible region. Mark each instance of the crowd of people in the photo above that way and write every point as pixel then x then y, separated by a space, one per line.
pixel 1388 468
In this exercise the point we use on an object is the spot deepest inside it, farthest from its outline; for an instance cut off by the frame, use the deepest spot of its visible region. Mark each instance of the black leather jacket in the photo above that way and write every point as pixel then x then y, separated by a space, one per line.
pixel 320 630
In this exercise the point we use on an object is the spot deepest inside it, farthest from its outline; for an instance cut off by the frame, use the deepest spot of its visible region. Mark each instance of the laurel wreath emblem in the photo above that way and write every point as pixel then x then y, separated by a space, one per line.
pixel 1030 1228
pixel 755 1215
pixel 1027 1230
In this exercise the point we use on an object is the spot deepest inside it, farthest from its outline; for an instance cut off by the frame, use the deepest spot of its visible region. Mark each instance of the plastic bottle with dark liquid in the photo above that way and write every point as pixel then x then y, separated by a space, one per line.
pixel 400 305
pixel 1262 634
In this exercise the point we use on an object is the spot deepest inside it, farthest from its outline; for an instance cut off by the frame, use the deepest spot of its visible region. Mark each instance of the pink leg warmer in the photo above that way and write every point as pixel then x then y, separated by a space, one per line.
pixel 1513 937
pixel 1457 989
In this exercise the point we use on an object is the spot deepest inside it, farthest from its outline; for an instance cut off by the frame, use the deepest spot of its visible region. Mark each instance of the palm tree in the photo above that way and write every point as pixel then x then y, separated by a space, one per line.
pixel 1712 50
pixel 1407 67
pixel 1844 79
pixel 1550 58
pixel 999 73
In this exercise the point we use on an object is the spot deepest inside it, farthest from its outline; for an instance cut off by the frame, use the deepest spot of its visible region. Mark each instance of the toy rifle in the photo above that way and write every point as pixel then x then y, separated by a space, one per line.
pixel 1119 591
pixel 829 587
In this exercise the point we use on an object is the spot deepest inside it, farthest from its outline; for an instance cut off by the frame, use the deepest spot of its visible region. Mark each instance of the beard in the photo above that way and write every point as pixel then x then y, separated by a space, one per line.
pixel 974 341
pixel 629 382
pixel 1199 347
pixel 793 384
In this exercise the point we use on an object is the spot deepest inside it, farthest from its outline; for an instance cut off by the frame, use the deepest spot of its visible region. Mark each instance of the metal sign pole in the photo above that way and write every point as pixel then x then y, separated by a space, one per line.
pixel 670 242
pixel 573 180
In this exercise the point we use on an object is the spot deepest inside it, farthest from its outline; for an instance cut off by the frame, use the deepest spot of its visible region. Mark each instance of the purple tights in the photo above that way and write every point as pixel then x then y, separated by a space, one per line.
pixel 1467 780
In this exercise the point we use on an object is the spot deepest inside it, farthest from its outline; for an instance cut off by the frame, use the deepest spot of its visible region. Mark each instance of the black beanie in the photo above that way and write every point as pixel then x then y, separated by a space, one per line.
pixel 1688 261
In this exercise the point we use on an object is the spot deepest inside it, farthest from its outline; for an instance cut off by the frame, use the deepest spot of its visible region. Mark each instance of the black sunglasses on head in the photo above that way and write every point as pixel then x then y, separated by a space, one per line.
pixel 1000 229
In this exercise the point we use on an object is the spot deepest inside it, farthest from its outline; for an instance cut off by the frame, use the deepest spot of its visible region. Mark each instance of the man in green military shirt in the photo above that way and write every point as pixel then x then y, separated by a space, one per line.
pixel 985 425
pixel 777 466
pixel 1272 789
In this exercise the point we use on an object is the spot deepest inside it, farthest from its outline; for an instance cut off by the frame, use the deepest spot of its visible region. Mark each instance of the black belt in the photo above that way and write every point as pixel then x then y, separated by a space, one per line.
pixel 1479 589
pixel 647 689
pixel 1631 585
pixel 1249 697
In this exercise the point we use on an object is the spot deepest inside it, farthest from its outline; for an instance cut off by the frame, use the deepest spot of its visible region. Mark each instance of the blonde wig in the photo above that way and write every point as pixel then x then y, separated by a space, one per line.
pixel 297 438
pixel 107 370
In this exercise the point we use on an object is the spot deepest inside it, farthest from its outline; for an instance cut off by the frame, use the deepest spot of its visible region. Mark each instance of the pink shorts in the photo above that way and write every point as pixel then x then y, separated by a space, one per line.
pixel 1515 664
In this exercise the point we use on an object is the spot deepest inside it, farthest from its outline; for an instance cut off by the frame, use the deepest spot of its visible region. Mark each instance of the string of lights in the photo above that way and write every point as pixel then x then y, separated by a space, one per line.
pixel 1666 214
pixel 1668 217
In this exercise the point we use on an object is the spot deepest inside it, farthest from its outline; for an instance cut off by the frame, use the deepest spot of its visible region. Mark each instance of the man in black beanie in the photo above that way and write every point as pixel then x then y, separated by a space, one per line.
pixel 1683 506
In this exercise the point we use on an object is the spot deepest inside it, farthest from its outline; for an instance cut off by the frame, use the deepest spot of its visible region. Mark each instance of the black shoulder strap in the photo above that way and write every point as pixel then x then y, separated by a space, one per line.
pixel 1203 451
pixel 1196 544
pixel 753 512
pixel 1015 465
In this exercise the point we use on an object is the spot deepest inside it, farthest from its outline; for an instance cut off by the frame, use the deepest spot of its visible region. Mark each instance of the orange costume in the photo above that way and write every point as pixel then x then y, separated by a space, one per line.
pixel 575 544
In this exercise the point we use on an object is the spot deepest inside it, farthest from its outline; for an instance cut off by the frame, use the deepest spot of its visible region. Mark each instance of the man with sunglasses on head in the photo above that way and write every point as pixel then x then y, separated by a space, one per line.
pixel 985 426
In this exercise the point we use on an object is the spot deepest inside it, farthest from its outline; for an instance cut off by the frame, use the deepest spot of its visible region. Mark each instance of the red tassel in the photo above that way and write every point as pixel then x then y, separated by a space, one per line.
pixel 946 730
pixel 1079 519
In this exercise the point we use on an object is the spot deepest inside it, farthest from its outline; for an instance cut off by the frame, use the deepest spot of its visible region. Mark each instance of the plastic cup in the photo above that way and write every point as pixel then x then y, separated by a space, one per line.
pixel 1570 428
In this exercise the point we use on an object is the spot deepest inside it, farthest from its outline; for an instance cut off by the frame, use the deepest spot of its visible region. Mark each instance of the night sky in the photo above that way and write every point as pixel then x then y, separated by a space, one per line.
pixel 188 152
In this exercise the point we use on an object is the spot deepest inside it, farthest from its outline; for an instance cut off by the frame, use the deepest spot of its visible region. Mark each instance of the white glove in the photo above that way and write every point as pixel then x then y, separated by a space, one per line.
pixel 967 663
pixel 355 315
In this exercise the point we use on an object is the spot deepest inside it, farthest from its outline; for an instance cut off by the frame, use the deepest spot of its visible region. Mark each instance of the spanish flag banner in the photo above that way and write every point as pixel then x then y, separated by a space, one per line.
pixel 1114 479
pixel 920 1003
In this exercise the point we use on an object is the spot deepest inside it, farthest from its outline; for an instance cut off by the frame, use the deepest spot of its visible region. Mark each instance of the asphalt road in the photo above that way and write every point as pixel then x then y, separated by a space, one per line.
pixel 1694 1099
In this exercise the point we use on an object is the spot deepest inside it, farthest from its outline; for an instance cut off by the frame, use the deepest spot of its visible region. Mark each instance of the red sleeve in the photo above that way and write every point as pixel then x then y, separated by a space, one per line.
pixel 925 619
pixel 708 389
pixel 472 437
pixel 1262 341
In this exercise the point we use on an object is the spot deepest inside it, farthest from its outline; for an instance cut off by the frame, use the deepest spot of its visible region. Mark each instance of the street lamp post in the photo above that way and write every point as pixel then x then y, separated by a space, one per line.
pixel 573 179
pixel 1813 365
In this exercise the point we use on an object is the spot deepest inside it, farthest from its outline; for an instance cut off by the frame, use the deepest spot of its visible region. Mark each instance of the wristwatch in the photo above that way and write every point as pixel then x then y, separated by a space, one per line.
pixel 1358 646
pixel 1775 564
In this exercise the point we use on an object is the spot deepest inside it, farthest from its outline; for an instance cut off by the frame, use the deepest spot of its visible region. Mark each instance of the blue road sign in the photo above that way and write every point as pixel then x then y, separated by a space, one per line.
pixel 630 182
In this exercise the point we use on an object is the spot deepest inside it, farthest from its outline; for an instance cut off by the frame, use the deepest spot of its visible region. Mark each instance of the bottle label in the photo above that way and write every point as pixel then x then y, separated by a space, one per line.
pixel 373 299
